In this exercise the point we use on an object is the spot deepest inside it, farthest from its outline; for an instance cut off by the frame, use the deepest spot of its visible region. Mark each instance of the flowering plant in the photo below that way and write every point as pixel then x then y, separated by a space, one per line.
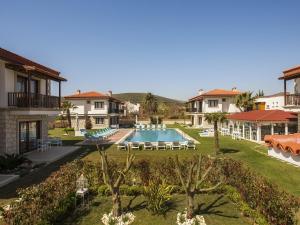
pixel 183 220
pixel 124 219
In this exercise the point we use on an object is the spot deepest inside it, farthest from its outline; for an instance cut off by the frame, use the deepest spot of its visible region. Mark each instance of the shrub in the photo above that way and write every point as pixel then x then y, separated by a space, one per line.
pixel 157 197
pixel 48 201
pixel 277 206
pixel 11 161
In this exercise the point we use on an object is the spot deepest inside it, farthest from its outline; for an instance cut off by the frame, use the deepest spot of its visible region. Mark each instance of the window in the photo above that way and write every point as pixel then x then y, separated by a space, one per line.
pixel 213 103
pixel 99 105
pixel 99 120
pixel 223 99
pixel 88 102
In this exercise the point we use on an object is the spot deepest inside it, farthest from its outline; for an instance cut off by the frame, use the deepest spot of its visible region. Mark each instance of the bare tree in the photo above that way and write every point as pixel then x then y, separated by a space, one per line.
pixel 192 181
pixel 113 182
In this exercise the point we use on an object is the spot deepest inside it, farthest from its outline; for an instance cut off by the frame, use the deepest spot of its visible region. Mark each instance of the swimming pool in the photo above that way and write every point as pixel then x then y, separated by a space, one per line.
pixel 167 135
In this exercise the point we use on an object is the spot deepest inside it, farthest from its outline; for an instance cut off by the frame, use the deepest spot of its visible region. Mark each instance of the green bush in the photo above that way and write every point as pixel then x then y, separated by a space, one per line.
pixel 48 201
pixel 11 161
pixel 157 197
pixel 103 190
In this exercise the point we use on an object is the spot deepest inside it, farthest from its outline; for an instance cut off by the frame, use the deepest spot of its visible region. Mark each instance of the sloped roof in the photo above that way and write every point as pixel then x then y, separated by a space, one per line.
pixel 216 93
pixel 18 60
pixel 90 95
pixel 291 73
pixel 287 143
pixel 263 115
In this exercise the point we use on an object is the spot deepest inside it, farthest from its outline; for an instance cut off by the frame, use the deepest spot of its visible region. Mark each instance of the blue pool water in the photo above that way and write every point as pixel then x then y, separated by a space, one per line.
pixel 167 135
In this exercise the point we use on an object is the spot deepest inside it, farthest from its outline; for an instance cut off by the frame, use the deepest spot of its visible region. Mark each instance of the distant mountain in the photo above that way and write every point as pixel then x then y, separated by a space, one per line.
pixel 139 98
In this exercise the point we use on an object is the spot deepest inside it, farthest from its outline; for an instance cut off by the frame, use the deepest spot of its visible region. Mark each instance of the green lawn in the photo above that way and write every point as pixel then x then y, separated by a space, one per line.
pixel 254 155
pixel 216 209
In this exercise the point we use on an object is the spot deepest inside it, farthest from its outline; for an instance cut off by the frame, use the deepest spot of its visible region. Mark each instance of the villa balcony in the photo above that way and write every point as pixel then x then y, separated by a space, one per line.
pixel 293 100
pixel 193 110
pixel 113 110
pixel 32 100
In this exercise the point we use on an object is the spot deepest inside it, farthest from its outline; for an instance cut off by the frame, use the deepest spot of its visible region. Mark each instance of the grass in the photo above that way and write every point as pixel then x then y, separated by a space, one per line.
pixel 286 176
pixel 216 209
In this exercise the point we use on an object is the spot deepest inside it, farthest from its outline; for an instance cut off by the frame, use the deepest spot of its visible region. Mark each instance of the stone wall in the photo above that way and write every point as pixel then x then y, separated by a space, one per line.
pixel 9 130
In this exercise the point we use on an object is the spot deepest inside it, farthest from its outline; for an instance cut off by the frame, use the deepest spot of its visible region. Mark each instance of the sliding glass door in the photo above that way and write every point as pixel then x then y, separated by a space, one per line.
pixel 29 132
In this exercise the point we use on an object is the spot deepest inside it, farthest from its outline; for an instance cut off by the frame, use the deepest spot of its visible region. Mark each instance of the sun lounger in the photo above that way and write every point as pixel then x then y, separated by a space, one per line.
pixel 148 127
pixel 135 145
pixel 153 127
pixel 207 133
pixel 176 144
pixel 164 126
pixel 148 145
pixel 161 145
pixel 122 146
pixel 190 144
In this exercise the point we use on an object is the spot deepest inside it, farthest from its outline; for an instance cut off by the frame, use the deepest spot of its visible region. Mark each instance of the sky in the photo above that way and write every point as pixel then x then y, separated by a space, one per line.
pixel 172 48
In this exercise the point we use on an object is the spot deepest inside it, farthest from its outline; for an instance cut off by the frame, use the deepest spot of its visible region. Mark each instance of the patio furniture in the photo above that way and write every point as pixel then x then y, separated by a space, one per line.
pixel 225 131
pixel 153 127
pixel 42 145
pixel 161 145
pixel 148 145
pixel 164 126
pixel 135 145
pixel 122 146
pixel 148 127
pixel 176 144
pixel 190 144
pixel 54 141
pixel 159 126
pixel 207 133
pixel 236 135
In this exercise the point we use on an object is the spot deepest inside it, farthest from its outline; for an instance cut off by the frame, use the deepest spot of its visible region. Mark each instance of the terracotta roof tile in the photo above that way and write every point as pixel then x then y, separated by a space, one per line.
pixel 90 95
pixel 287 143
pixel 216 93
pixel 263 115
pixel 291 73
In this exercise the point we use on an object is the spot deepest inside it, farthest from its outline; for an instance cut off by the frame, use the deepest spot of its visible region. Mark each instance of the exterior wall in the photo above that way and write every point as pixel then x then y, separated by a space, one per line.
pixel 9 130
pixel 227 106
pixel 272 103
pixel 297 86
pixel 81 122
pixel 84 108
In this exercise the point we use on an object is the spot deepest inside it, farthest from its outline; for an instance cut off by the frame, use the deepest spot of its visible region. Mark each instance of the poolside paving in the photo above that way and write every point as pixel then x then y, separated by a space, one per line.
pixel 51 155
pixel 114 139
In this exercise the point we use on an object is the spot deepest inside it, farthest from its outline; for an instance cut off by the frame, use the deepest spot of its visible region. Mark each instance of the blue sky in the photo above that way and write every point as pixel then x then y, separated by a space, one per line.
pixel 171 48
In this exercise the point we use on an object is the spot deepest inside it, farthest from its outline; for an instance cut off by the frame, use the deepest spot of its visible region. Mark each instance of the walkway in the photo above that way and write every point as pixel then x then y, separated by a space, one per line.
pixel 51 155
pixel 114 139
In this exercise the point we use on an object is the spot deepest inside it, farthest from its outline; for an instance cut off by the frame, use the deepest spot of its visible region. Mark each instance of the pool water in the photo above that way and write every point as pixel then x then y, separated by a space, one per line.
pixel 167 135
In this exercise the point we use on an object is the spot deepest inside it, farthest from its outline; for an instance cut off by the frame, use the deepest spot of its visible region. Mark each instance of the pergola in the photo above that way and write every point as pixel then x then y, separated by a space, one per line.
pixel 254 125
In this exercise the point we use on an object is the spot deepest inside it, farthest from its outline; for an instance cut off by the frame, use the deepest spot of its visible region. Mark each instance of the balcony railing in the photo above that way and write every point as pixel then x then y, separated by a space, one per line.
pixel 32 100
pixel 112 110
pixel 293 99
pixel 193 110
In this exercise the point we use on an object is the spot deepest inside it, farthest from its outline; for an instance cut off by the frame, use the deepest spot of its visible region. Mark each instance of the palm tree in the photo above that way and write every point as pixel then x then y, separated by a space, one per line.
pixel 66 106
pixel 150 104
pixel 260 93
pixel 245 101
pixel 215 118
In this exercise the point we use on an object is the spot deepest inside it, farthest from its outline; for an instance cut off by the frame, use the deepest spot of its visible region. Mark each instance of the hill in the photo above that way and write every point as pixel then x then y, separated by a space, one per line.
pixel 139 97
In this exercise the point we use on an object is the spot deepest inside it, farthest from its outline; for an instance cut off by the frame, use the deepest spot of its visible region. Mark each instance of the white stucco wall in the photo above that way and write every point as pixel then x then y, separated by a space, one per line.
pixel 223 106
pixel 3 100
pixel 84 108
pixel 272 103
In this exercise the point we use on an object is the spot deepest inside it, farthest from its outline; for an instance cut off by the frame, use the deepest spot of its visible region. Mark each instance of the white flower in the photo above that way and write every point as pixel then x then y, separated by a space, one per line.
pixel 183 220
pixel 124 219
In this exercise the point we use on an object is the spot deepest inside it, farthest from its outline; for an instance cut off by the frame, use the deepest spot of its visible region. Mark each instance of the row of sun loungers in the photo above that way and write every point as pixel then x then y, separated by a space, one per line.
pixel 150 126
pixel 207 133
pixel 100 134
pixel 161 145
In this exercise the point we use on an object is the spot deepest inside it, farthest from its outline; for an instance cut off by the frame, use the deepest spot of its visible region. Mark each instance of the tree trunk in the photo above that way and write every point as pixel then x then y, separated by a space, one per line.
pixel 69 118
pixel 190 202
pixel 216 134
pixel 117 208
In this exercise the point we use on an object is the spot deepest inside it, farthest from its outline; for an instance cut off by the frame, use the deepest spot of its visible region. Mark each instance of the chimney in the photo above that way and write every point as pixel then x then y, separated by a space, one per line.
pixel 110 93
pixel 200 92
pixel 234 89
pixel 78 91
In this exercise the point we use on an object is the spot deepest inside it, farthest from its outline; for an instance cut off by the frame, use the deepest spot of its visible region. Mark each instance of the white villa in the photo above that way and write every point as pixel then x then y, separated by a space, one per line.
pixel 26 102
pixel 102 109
pixel 217 100
pixel 270 102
